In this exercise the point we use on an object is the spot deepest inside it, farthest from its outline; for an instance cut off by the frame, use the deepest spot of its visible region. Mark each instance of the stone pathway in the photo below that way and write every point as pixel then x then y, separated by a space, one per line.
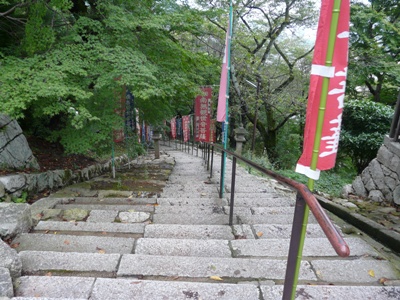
pixel 139 237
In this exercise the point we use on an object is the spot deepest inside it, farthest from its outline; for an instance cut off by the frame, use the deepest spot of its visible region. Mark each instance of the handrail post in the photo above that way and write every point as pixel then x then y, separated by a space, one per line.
pixel 208 157
pixel 233 181
pixel 220 179
pixel 294 248
pixel 212 160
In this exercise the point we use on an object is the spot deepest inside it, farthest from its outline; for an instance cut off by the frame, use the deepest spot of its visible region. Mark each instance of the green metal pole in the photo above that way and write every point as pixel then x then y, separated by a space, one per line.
pixel 318 132
pixel 226 123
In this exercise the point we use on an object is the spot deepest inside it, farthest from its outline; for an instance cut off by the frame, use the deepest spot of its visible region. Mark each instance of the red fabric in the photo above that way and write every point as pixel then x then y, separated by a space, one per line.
pixel 221 109
pixel 173 128
pixel 186 128
pixel 333 113
pixel 202 111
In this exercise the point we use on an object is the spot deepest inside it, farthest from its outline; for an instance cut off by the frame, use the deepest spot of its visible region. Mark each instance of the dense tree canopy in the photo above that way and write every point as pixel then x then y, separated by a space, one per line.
pixel 375 50
pixel 64 62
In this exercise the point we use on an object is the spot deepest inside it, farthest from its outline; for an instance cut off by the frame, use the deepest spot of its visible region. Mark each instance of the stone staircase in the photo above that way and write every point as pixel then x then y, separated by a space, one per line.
pixel 135 242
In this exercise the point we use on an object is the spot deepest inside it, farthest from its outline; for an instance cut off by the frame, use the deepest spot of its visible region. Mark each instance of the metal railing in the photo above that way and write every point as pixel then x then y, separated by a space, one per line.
pixel 304 197
pixel 395 128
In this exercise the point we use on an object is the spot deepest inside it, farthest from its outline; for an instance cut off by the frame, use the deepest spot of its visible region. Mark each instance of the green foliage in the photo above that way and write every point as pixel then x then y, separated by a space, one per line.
pixel 330 182
pixel 64 77
pixel 21 199
pixel 374 56
pixel 363 128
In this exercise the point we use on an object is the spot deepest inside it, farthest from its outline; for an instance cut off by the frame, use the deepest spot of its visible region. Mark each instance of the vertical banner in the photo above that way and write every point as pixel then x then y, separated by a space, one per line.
pixel 173 128
pixel 202 111
pixel 130 112
pixel 213 131
pixel 221 109
pixel 186 128
pixel 118 134
pixel 335 72
pixel 179 128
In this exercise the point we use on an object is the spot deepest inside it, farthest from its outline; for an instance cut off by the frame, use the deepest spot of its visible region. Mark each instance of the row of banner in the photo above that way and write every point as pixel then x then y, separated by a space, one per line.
pixel 201 126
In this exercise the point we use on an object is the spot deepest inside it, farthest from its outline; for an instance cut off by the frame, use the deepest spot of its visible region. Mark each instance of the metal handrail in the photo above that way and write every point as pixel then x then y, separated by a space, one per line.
pixel 329 229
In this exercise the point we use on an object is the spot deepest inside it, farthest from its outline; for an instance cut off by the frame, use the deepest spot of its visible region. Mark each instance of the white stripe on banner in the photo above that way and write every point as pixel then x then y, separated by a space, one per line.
pixel 324 71
pixel 313 174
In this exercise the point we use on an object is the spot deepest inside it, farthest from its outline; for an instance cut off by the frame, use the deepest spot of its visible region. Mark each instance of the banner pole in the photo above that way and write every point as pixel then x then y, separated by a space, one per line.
pixel 318 134
pixel 226 123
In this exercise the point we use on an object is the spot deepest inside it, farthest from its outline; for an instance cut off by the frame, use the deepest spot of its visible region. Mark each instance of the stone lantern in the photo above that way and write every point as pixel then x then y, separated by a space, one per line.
pixel 240 138
pixel 156 139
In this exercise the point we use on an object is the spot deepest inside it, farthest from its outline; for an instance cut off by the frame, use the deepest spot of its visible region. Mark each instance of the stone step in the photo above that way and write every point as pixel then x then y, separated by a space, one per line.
pixel 189 209
pixel 178 231
pixel 262 202
pixel 144 208
pixel 313 247
pixel 336 271
pixel 284 231
pixel 107 288
pixel 89 228
pixel 72 243
pixel 59 263
pixel 114 201
pixel 204 267
pixel 45 287
pixel 183 247
pixel 193 218
pixel 332 292
pixel 203 201
pixel 271 219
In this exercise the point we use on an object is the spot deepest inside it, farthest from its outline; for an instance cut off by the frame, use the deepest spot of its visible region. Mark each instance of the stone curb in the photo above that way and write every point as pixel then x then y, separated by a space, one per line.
pixel 387 237
pixel 15 185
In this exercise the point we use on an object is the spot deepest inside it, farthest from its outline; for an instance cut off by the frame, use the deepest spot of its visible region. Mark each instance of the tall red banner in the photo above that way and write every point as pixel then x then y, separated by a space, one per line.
pixel 173 128
pixel 186 128
pixel 202 111
pixel 337 83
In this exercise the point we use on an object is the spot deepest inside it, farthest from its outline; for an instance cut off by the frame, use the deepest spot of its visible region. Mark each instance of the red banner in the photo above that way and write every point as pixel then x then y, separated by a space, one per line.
pixel 213 131
pixel 173 128
pixel 202 111
pixel 186 128
pixel 337 83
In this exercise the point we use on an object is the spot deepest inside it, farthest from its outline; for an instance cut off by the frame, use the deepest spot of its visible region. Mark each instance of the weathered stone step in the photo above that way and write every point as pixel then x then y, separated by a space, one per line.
pixel 89 228
pixel 332 292
pixel 45 287
pixel 183 247
pixel 256 201
pixel 107 288
pixel 215 209
pixel 313 247
pixel 331 271
pixel 193 218
pixel 59 263
pixel 204 267
pixel 200 201
pixel 284 231
pixel 144 208
pixel 72 243
pixel 271 219
pixel 114 201
pixel 178 231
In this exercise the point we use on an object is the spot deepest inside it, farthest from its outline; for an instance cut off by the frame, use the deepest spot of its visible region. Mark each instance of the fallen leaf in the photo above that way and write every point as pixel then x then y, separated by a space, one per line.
pixel 319 273
pixel 136 282
pixel 216 278
pixel 371 273
pixel 101 251
pixel 260 234
pixel 15 245
pixel 66 242
pixel 49 274
pixel 383 280
pixel 72 221
pixel 155 204
pixel 55 232
pixel 103 232
pixel 47 231
pixel 175 278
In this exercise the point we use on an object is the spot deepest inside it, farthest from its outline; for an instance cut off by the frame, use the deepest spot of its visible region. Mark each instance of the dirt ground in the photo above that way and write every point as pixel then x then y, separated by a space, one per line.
pixel 51 156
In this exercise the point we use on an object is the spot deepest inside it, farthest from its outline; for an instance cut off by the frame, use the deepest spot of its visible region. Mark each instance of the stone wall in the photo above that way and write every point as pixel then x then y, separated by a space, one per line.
pixel 14 149
pixel 380 181
pixel 15 185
